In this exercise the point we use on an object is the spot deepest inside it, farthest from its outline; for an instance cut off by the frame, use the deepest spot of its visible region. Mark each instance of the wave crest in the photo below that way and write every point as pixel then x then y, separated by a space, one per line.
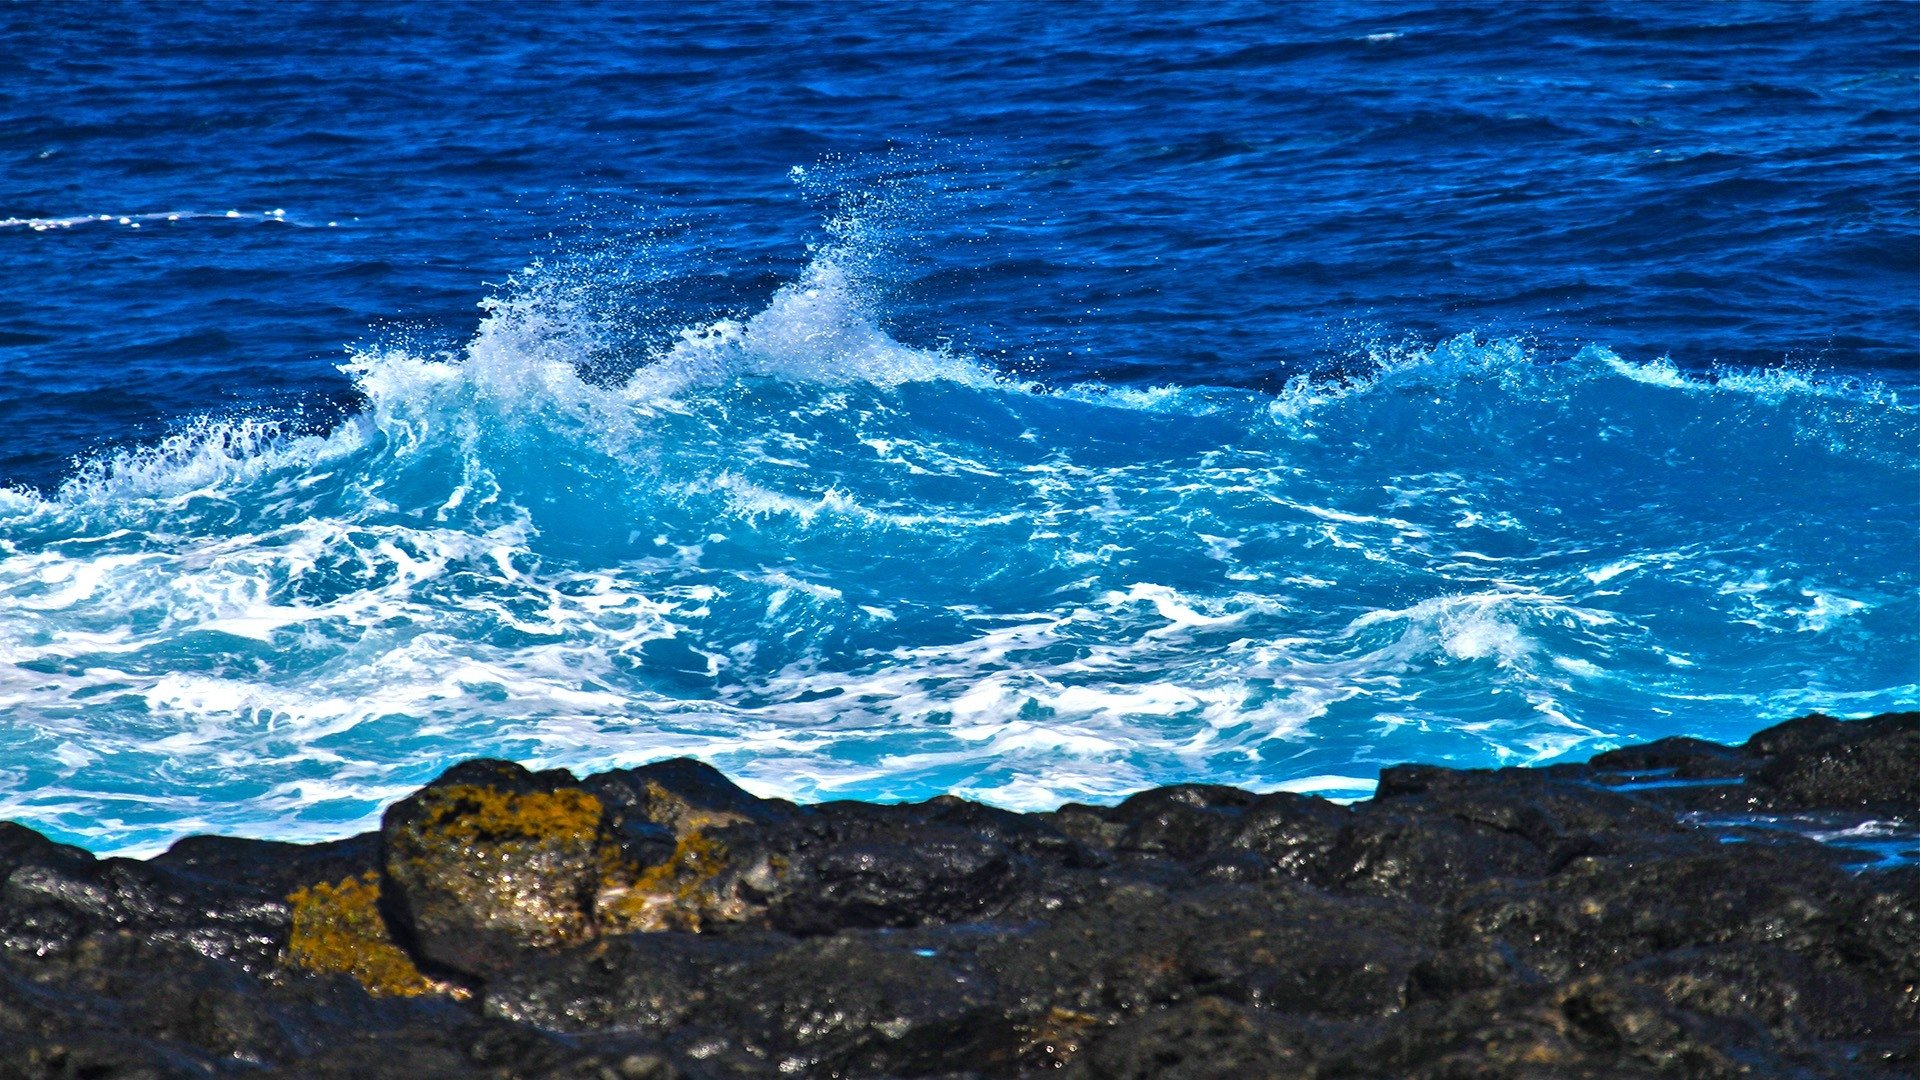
pixel 837 564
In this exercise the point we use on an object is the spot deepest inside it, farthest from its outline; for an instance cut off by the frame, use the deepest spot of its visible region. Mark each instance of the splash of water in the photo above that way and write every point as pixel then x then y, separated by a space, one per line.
pixel 836 565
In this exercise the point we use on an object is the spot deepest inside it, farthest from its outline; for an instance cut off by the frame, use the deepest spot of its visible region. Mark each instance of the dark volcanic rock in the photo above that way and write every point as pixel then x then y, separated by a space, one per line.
pixel 1205 1039
pixel 57 904
pixel 1881 772
pixel 491 861
pixel 682 795
pixel 849 865
pixel 267 865
pixel 1679 909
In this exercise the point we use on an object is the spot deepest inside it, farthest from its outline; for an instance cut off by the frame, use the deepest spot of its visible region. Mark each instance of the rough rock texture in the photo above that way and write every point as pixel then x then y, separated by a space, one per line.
pixel 489 862
pixel 1679 909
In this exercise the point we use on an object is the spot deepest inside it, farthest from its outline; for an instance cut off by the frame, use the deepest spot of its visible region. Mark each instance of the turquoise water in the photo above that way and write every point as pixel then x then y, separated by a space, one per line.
pixel 835 565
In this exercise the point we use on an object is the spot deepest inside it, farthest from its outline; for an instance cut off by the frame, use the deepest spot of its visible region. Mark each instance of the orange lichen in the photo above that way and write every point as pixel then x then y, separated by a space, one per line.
pixel 676 813
pixel 667 896
pixel 507 861
pixel 338 929
pixel 1050 1041
pixel 464 813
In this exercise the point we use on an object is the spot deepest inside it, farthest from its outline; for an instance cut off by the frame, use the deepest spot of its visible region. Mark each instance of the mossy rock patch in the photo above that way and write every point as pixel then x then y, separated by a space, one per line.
pixel 492 861
pixel 338 929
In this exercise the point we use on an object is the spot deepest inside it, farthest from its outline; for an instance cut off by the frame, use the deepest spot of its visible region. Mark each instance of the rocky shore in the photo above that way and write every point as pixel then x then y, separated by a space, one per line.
pixel 1680 909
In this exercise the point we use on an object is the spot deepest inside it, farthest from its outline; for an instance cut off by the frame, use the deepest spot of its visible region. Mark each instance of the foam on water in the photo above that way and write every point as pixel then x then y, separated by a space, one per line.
pixel 277 216
pixel 836 565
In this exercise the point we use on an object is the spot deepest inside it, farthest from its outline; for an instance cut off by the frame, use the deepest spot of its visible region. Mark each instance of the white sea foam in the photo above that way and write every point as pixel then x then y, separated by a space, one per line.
pixel 135 221
pixel 1772 385
pixel 775 548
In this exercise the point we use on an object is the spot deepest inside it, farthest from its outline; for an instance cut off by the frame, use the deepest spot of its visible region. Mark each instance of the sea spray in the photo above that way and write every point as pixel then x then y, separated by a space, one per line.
pixel 838 565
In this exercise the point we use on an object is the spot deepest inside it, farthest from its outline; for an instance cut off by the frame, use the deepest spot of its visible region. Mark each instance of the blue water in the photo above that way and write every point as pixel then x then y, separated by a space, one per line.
pixel 1029 402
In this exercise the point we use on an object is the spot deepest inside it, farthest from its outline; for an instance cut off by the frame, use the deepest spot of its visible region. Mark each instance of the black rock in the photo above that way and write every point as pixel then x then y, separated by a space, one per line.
pixel 1679 909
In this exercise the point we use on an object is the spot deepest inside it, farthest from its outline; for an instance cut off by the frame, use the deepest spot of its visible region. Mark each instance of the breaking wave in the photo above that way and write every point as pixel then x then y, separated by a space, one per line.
pixel 836 565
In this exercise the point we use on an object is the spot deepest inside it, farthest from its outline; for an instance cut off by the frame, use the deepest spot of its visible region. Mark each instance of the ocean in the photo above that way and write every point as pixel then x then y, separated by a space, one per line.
pixel 1031 402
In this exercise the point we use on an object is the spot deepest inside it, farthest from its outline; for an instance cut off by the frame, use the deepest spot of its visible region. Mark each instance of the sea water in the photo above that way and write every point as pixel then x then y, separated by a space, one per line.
pixel 889 402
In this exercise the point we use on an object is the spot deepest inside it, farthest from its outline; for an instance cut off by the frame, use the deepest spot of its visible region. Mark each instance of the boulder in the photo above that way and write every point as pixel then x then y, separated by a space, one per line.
pixel 490 862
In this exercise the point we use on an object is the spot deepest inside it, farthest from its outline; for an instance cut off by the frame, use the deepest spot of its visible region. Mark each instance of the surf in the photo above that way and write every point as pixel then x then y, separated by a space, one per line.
pixel 839 565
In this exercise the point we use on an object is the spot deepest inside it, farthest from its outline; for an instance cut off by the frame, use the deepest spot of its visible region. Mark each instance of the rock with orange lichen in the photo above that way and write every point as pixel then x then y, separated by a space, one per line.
pixel 696 888
pixel 338 928
pixel 694 851
pixel 681 795
pixel 491 861
pixel 660 922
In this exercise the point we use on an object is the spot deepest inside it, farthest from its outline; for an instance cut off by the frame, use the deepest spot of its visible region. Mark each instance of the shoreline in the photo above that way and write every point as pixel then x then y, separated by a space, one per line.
pixel 1678 908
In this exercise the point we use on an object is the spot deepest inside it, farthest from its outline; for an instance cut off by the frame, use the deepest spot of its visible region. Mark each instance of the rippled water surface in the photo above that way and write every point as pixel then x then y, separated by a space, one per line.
pixel 885 401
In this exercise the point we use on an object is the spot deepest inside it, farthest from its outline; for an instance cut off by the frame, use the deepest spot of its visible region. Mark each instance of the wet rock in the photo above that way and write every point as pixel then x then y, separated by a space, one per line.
pixel 1795 997
pixel 1602 910
pixel 21 846
pixel 1427 859
pixel 270 866
pixel 1206 1039
pixel 53 906
pixel 490 862
pixel 652 984
pixel 1812 763
pixel 1880 773
pixel 1816 730
pixel 1140 947
pixel 465 1047
pixel 682 795
pixel 855 1004
pixel 851 1003
pixel 1466 967
pixel 1294 835
pixel 1881 936
pixel 1678 757
pixel 1181 822
pixel 844 865
pixel 1558 818
pixel 1663 911
pixel 94 1055
pixel 1589 1030
pixel 859 866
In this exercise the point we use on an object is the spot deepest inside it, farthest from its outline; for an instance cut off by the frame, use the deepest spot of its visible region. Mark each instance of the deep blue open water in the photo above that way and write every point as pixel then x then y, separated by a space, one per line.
pixel 1034 402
